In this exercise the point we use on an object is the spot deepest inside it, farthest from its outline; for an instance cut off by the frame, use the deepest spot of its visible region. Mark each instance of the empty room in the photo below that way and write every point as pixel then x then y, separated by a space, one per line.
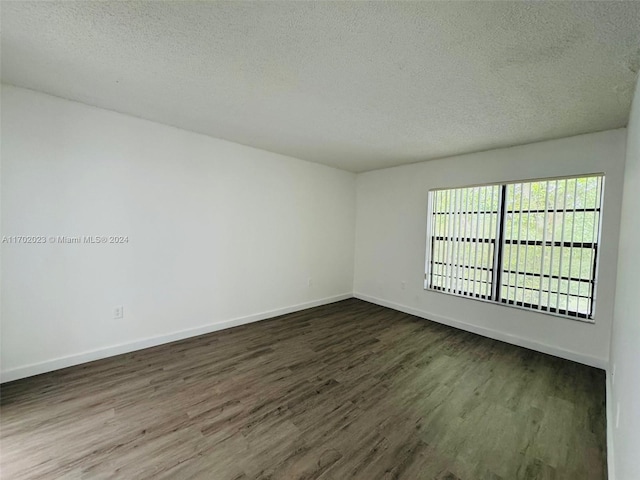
pixel 320 240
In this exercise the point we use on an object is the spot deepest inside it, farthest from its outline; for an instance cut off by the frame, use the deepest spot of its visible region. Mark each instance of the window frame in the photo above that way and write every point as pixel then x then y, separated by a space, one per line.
pixel 498 269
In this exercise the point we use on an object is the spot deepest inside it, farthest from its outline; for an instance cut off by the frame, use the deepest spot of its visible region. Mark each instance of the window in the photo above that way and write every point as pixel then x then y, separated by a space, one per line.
pixel 531 244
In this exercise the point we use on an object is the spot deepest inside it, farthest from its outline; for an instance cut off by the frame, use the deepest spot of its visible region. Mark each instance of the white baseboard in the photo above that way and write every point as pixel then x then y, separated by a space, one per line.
pixel 487 332
pixel 610 423
pixel 76 359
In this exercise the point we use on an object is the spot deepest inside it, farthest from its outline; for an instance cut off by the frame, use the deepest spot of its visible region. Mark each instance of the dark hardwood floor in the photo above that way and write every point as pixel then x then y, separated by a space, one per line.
pixel 348 390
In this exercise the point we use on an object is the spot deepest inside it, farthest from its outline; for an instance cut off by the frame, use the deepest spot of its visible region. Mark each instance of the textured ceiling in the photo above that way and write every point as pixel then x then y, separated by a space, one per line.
pixel 350 84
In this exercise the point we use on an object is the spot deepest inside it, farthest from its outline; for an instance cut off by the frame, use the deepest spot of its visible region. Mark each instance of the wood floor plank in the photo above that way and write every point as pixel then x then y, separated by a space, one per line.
pixel 347 390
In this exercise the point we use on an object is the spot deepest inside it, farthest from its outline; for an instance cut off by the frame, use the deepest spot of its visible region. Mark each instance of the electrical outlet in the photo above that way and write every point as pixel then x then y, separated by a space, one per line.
pixel 403 284
pixel 309 282
pixel 118 312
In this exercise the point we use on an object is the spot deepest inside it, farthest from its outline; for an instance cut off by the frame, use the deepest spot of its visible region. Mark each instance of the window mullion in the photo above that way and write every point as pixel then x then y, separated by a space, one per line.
pixel 573 229
pixel 582 239
pixel 494 246
pixel 597 225
pixel 498 245
pixel 553 240
pixel 468 234
pixel 455 244
pixel 510 207
pixel 544 241
pixel 444 269
pixel 475 258
pixel 526 246
pixel 518 239
pixel 563 226
pixel 486 234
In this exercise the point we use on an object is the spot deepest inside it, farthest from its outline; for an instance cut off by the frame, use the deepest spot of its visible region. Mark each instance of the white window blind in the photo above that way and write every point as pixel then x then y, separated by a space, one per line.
pixel 531 244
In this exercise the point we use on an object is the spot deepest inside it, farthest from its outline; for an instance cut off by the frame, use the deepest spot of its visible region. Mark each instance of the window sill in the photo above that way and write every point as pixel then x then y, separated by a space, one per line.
pixel 501 304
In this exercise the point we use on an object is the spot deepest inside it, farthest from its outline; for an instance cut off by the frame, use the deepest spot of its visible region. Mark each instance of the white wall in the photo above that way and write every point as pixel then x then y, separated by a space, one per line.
pixel 219 233
pixel 391 232
pixel 625 342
